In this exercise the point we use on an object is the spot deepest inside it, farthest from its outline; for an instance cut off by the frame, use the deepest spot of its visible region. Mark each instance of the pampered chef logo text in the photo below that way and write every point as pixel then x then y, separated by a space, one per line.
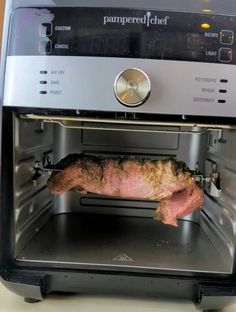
pixel 147 20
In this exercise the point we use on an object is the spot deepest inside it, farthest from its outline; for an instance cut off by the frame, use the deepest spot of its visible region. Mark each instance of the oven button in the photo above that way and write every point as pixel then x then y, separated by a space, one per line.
pixel 225 55
pixel 45 47
pixel 45 29
pixel 227 37
pixel 132 87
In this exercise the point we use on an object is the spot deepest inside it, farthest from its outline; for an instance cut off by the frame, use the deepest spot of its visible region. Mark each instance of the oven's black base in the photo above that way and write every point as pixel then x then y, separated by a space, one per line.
pixel 31 300
pixel 31 287
pixel 34 286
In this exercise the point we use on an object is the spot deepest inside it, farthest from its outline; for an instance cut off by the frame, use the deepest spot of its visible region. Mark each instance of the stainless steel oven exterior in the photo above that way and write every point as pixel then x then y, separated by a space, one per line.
pixel 54 104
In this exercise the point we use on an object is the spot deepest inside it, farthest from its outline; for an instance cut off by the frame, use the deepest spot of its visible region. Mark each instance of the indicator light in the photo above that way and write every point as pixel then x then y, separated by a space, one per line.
pixel 205 25
pixel 206 10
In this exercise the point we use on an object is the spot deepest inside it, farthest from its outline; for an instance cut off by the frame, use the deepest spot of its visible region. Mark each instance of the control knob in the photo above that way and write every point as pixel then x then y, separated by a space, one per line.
pixel 132 87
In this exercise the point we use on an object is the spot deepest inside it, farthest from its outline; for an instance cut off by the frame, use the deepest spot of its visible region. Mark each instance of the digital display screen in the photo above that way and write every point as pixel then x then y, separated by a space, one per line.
pixel 148 45
pixel 128 33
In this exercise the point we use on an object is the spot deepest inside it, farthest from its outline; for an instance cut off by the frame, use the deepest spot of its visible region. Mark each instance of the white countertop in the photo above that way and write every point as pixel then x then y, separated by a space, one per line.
pixel 10 302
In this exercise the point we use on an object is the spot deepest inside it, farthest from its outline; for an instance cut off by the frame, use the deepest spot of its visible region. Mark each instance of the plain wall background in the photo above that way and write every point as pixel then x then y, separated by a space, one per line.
pixel 2 4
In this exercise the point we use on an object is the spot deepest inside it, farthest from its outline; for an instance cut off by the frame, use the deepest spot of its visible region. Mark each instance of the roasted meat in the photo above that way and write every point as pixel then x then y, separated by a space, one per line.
pixel 168 181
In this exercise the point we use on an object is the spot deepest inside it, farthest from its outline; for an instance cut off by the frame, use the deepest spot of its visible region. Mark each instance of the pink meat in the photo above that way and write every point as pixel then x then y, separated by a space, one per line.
pixel 180 204
pixel 166 181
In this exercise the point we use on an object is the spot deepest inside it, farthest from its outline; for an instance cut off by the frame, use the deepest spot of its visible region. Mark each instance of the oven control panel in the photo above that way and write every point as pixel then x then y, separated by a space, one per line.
pixel 127 33
pixel 122 60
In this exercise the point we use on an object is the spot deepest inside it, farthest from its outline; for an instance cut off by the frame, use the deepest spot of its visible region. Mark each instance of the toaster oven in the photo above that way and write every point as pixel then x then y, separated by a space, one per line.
pixel 153 80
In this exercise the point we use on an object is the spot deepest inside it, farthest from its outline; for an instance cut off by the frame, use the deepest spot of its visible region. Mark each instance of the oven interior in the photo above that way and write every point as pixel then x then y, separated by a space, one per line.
pixel 91 231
